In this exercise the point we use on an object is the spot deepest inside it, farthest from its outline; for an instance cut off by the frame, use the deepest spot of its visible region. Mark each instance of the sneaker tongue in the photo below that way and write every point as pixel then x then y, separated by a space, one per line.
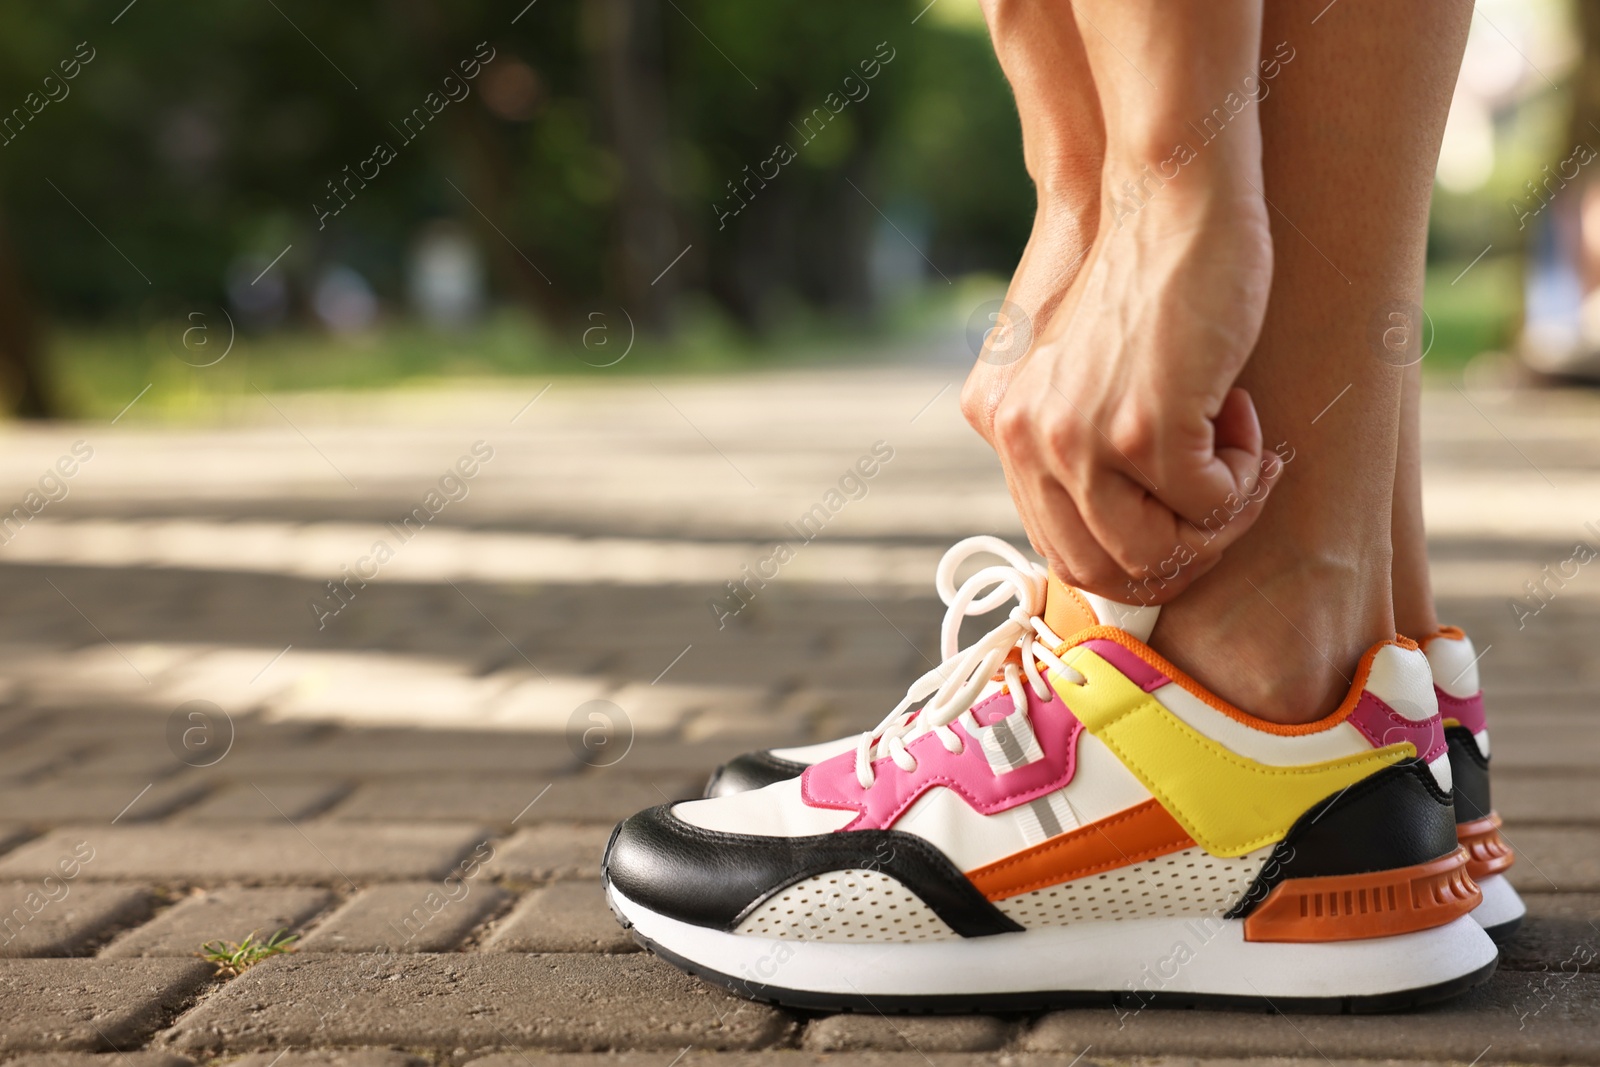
pixel 1068 610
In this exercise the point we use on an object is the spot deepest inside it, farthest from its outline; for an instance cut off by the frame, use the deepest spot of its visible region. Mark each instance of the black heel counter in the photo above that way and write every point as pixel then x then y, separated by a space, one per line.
pixel 1469 769
pixel 1398 817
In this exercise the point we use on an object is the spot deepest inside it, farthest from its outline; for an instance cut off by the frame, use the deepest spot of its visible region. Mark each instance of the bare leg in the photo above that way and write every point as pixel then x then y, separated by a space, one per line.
pixel 1063 144
pixel 1350 138
pixel 1414 613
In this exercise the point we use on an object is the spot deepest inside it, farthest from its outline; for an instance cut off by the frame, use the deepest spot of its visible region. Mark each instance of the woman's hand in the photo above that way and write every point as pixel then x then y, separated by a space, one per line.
pixel 1133 460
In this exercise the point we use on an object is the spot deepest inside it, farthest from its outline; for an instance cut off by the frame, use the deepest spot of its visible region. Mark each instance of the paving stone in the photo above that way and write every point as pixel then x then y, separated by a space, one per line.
pixel 595 797
pixel 245 802
pixel 1560 933
pixel 551 850
pixel 455 1001
pixel 1546 797
pixel 12 834
pixel 415 752
pixel 746 731
pixel 855 1033
pixel 1554 860
pixel 148 753
pixel 1310 1059
pixel 332 1057
pixel 57 917
pixel 542 705
pixel 90 1004
pixel 220 915
pixel 490 799
pixel 76 797
pixel 91 1059
pixel 19 721
pixel 611 795
pixel 784 1057
pixel 1541 741
pixel 669 757
pixel 32 755
pixel 96 721
pixel 407 917
pixel 314 853
pixel 658 706
pixel 1527 1018
pixel 564 917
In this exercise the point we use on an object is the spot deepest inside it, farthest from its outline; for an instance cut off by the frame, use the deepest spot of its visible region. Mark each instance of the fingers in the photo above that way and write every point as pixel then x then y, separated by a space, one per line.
pixel 1226 464
pixel 1073 551
pixel 981 394
pixel 1105 526
pixel 1055 527
pixel 1142 535
pixel 991 375
pixel 1225 495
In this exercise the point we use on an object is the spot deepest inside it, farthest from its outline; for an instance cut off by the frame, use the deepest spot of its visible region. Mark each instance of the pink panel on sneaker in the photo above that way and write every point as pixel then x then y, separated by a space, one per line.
pixel 1382 725
pixel 1468 711
pixel 1138 671
pixel 832 783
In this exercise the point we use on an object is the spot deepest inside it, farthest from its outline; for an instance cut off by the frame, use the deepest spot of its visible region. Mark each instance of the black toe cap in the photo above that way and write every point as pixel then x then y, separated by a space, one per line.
pixel 753 770
pixel 680 870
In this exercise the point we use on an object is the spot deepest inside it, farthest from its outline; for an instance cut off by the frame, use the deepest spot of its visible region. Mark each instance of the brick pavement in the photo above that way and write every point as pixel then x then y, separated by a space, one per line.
pixel 406 787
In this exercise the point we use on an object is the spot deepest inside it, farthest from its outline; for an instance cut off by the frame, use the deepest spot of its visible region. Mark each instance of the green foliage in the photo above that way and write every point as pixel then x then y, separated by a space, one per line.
pixel 203 136
pixel 1470 313
pixel 234 957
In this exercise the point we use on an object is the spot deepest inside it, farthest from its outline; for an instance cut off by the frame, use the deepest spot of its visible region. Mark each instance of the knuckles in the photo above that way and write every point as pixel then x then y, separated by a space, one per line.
pixel 1013 428
pixel 979 407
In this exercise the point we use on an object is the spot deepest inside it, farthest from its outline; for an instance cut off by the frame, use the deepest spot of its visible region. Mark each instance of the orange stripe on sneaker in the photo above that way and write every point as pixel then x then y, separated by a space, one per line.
pixel 1141 832
pixel 1487 850
pixel 1349 907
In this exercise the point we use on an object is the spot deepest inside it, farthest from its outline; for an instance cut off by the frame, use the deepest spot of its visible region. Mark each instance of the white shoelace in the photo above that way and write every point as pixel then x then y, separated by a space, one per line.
pixel 951 687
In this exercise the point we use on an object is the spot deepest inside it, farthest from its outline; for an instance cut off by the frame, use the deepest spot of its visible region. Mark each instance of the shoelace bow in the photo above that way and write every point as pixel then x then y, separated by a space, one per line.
pixel 950 688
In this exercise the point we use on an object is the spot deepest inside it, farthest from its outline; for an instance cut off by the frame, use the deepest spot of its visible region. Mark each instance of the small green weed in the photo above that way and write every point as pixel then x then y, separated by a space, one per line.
pixel 233 957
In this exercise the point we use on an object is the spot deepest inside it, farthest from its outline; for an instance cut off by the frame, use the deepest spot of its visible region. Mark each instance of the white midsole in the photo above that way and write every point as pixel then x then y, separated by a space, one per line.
pixel 1145 956
pixel 1501 904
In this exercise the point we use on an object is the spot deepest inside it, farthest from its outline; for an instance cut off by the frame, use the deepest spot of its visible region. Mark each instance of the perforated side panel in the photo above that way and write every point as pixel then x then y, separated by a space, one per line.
pixel 1191 882
pixel 853 905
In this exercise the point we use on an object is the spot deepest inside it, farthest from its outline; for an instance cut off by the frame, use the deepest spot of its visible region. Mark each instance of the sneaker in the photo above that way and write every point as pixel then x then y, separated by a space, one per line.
pixel 1093 826
pixel 1460 696
pixel 1071 611
pixel 1451 657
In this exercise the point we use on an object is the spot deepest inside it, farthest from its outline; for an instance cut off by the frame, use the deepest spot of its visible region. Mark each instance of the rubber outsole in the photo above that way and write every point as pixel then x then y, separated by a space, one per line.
pixel 1502 910
pixel 1023 1003
pixel 1045 1000
pixel 1503 932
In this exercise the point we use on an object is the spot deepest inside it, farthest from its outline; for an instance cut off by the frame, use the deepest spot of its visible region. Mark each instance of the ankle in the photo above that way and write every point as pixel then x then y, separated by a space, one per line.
pixel 1286 650
pixel 1417 621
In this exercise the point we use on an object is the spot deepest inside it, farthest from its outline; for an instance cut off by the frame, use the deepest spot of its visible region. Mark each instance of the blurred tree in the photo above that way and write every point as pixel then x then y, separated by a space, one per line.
pixel 625 38
pixel 154 153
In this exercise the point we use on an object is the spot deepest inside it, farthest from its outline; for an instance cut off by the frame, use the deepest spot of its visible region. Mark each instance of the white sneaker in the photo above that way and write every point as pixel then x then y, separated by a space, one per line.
pixel 1066 817
pixel 1460 696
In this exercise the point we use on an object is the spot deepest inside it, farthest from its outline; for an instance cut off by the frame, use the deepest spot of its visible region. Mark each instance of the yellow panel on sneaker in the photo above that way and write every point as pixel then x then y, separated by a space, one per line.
pixel 1228 803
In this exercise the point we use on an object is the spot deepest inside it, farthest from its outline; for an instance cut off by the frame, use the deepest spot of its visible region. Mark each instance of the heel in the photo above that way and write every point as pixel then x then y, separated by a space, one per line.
pixel 1488 853
pixel 1351 907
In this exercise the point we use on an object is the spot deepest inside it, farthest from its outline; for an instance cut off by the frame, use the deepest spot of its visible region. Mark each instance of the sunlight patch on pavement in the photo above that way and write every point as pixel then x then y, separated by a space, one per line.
pixel 360 689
